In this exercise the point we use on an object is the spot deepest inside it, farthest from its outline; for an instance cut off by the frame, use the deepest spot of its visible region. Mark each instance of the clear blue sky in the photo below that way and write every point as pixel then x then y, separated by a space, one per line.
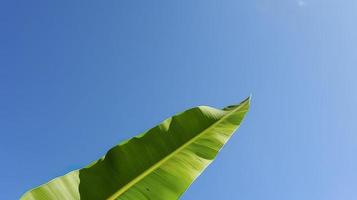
pixel 77 77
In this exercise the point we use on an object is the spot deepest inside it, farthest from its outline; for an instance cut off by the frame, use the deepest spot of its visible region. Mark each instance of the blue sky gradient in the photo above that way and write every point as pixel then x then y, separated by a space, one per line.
pixel 77 77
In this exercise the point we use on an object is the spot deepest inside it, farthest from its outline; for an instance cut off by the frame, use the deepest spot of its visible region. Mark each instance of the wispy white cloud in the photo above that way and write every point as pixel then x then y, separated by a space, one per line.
pixel 301 3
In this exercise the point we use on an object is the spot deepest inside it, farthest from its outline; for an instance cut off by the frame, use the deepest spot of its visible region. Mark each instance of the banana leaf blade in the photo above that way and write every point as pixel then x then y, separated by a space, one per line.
pixel 159 164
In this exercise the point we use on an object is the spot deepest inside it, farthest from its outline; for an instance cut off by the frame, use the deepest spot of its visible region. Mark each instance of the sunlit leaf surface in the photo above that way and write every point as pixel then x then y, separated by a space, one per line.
pixel 159 164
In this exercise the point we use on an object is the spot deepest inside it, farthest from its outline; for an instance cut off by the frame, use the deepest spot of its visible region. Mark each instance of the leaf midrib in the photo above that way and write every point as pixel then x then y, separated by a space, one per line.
pixel 163 160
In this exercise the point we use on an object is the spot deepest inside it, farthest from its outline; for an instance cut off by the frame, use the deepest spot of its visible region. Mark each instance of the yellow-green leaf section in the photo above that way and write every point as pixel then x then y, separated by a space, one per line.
pixel 159 164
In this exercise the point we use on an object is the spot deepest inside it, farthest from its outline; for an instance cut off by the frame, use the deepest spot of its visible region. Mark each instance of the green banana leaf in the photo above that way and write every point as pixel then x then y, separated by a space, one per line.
pixel 159 164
